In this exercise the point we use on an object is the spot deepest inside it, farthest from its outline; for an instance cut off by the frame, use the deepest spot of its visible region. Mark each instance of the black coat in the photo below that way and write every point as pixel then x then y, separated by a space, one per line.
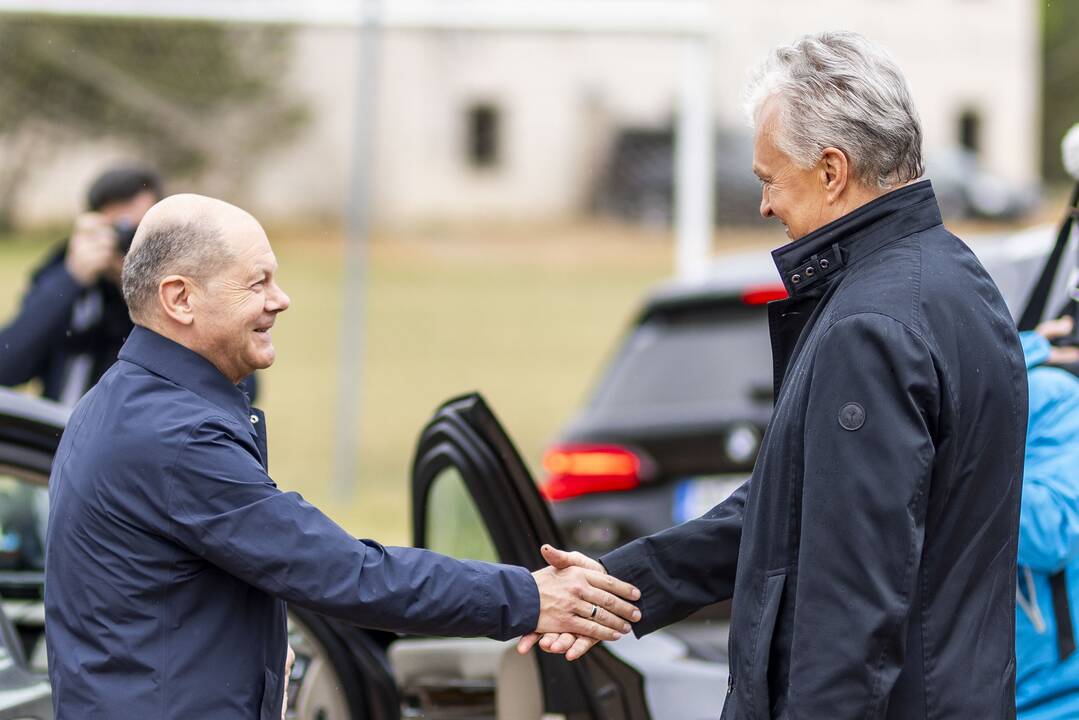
pixel 872 555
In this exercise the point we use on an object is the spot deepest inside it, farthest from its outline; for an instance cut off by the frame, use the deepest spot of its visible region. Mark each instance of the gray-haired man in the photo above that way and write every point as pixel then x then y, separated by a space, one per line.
pixel 872 556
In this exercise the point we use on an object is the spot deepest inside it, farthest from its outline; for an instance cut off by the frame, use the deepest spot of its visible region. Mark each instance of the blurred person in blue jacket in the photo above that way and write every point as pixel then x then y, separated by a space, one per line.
pixel 1047 664
pixel 73 320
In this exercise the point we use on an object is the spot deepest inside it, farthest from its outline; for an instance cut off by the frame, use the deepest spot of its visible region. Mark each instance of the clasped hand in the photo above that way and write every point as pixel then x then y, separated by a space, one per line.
pixel 580 604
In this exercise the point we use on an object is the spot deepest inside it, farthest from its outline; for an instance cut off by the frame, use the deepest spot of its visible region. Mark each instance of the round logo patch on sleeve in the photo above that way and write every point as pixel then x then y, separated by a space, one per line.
pixel 852 416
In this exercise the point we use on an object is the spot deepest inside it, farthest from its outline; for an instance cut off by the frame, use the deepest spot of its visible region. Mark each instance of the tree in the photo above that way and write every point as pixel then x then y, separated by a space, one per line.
pixel 185 96
pixel 1060 84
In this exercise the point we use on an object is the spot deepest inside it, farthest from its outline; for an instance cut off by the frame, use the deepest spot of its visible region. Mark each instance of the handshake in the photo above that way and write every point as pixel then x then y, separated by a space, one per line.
pixel 580 604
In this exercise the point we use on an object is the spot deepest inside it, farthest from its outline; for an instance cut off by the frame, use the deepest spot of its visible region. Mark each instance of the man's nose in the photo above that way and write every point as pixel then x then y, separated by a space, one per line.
pixel 766 206
pixel 279 301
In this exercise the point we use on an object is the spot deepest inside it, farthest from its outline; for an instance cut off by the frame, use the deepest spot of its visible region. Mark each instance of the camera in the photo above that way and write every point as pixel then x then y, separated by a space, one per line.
pixel 125 235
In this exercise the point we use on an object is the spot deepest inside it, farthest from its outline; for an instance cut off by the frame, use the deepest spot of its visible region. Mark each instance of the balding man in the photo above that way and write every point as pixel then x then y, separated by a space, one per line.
pixel 171 552
pixel 871 557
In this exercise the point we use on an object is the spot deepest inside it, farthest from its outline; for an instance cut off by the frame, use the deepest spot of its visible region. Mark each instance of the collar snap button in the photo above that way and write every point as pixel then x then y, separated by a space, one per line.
pixel 254 419
pixel 809 272
pixel 824 264
pixel 796 279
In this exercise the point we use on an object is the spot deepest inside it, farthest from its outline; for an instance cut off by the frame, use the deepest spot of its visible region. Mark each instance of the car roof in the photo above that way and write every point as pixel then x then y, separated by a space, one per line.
pixel 31 423
pixel 32 410
pixel 1012 259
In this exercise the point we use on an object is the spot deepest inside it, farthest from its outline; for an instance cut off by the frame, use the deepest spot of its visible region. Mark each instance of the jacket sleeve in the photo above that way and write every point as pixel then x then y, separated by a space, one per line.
pixel 224 507
pixel 862 516
pixel 1035 348
pixel 40 323
pixel 684 568
pixel 1049 519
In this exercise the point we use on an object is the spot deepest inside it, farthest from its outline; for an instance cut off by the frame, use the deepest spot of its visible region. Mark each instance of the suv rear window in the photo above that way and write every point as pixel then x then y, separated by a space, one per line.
pixel 691 361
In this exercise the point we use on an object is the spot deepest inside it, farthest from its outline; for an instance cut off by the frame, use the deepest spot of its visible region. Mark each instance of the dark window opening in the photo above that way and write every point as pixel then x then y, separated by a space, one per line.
pixel 484 136
pixel 970 131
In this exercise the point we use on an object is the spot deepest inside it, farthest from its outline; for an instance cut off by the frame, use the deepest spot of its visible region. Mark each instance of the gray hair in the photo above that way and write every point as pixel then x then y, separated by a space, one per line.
pixel 837 89
pixel 192 248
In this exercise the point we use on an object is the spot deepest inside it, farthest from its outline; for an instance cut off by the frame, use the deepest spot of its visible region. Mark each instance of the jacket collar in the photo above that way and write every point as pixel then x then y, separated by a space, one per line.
pixel 186 368
pixel 823 253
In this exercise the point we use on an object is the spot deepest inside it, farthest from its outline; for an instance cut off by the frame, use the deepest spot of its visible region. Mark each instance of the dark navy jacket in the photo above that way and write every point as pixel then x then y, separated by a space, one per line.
pixel 171 553
pixel 67 335
pixel 872 554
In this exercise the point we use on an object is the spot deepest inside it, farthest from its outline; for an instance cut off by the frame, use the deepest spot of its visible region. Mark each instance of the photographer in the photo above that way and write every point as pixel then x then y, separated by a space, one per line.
pixel 73 319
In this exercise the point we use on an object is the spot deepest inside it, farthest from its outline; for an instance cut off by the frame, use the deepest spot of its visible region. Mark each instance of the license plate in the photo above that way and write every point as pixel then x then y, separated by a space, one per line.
pixel 696 496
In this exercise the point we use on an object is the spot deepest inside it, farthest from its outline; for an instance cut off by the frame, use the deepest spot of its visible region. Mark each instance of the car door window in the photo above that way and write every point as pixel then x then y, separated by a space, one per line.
pixel 454 525
pixel 24 512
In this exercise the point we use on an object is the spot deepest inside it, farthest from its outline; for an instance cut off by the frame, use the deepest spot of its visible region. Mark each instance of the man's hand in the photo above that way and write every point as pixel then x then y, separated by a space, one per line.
pixel 92 248
pixel 583 601
pixel 290 659
pixel 1057 328
pixel 567 640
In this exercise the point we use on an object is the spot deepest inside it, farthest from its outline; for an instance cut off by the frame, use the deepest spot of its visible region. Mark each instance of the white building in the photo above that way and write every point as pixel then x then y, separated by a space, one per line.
pixel 516 126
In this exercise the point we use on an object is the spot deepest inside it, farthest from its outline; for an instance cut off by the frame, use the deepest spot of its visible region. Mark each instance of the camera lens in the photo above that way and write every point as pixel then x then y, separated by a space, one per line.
pixel 125 234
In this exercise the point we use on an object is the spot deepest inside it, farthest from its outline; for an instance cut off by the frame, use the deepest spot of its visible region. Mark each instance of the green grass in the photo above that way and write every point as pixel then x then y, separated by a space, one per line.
pixel 524 316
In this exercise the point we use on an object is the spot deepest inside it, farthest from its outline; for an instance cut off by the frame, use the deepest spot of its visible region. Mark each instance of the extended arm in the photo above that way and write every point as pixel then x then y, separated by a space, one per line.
pixel 224 507
pixel 684 568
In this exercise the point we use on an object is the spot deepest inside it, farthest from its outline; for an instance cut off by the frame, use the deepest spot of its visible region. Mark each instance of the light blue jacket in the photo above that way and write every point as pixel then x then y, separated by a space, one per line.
pixel 1047 689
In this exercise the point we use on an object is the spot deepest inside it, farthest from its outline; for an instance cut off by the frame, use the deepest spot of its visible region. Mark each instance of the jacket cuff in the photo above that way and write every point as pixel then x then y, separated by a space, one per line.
pixel 626 564
pixel 519 612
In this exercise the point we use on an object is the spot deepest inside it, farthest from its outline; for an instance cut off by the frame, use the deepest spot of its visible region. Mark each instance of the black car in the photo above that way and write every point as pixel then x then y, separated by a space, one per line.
pixel 488 508
pixel 675 421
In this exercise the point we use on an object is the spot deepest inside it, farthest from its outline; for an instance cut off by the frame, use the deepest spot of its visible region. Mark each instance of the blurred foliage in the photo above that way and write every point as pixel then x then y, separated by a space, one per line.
pixel 1060 83
pixel 183 96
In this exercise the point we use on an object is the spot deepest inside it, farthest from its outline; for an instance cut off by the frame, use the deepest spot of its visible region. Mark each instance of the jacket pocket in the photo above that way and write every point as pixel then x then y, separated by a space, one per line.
pixel 271 697
pixel 762 645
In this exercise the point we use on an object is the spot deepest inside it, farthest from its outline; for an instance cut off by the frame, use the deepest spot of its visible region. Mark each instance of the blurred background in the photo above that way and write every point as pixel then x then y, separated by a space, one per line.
pixel 463 199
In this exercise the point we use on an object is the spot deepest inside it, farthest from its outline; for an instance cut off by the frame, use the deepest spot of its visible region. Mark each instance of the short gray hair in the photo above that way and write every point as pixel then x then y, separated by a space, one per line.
pixel 837 89
pixel 192 248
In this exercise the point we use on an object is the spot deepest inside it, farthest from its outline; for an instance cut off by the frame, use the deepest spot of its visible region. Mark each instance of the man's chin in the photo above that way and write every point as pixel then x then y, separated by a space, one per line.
pixel 263 359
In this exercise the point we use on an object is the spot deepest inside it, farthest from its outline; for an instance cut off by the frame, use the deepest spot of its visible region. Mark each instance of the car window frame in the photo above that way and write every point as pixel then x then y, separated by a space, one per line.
pixel 465 432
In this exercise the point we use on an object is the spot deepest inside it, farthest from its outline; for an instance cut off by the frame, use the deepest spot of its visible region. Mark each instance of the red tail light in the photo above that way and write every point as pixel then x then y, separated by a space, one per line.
pixel 764 294
pixel 581 469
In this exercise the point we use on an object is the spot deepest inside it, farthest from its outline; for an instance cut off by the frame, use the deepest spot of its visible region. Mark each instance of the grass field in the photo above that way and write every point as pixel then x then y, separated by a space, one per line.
pixel 525 317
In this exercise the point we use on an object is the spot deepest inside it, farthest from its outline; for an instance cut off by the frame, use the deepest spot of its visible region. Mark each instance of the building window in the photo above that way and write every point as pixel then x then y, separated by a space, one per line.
pixel 970 131
pixel 484 140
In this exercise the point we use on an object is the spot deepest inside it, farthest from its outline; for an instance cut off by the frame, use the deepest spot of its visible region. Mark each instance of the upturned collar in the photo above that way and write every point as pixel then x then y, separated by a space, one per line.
pixel 823 254
pixel 186 368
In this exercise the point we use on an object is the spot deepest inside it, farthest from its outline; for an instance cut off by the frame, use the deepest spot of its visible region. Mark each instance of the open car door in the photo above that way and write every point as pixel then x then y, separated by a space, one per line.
pixel 474 498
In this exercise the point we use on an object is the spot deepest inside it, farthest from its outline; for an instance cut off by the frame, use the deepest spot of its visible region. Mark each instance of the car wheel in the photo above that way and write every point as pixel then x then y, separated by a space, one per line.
pixel 323 684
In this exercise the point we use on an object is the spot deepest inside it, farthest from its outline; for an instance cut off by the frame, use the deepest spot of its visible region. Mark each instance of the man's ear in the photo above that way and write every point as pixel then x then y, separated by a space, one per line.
pixel 834 173
pixel 174 294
